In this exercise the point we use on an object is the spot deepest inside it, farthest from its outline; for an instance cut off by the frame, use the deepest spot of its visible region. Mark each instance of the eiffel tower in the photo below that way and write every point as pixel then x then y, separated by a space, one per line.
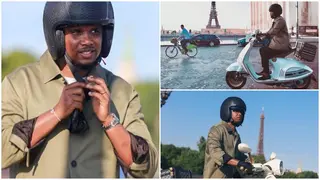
pixel 213 16
pixel 261 134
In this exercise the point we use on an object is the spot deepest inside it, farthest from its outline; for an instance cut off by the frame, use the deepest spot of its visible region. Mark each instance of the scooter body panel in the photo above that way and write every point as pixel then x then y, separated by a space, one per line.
pixel 235 67
pixel 295 70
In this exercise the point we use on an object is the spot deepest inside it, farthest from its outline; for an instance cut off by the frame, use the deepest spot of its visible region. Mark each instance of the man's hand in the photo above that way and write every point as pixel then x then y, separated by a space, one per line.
pixel 71 98
pixel 100 98
pixel 246 165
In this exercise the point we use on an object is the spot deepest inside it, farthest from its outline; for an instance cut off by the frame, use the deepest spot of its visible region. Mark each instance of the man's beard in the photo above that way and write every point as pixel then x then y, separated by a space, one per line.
pixel 80 66
pixel 84 66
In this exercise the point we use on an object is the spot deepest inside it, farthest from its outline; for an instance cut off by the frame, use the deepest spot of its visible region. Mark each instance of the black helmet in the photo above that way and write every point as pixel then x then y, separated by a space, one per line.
pixel 57 15
pixel 276 9
pixel 232 103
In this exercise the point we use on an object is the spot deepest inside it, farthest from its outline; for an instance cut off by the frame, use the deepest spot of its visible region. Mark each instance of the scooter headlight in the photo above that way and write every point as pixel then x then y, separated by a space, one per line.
pixel 276 166
pixel 281 168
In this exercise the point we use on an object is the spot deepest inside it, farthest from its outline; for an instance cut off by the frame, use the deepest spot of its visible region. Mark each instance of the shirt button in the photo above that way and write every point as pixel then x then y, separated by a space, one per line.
pixel 74 163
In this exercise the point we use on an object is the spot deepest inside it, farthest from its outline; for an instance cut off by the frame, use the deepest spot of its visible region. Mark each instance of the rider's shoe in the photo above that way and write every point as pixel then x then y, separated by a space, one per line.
pixel 264 76
pixel 260 73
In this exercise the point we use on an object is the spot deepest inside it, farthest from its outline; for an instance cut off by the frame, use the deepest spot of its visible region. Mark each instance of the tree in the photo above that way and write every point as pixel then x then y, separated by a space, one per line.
pixel 288 174
pixel 307 174
pixel 15 59
pixel 303 174
pixel 186 158
pixel 259 159
pixel 164 163
pixel 202 144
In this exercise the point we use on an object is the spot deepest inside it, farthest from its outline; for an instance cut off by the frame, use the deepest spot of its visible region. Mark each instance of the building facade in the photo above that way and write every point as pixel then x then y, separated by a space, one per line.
pixel 260 16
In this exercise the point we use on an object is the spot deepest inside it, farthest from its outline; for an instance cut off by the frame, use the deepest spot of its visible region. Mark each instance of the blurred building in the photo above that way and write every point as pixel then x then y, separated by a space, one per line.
pixel 126 68
pixel 299 169
pixel 228 31
pixel 308 14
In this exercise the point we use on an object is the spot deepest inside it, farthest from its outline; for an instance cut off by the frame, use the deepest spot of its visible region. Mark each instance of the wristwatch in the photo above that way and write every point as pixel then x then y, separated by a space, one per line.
pixel 115 121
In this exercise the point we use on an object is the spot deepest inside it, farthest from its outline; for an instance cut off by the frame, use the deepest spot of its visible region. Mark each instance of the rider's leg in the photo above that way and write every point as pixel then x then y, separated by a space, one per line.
pixel 266 54
pixel 183 44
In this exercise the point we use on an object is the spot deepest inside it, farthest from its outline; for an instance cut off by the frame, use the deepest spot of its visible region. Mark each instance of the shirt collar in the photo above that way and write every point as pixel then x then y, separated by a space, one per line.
pixel 48 68
pixel 229 129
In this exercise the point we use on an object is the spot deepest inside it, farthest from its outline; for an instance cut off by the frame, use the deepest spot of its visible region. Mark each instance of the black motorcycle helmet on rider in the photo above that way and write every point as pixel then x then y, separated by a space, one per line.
pixel 229 104
pixel 58 15
pixel 276 9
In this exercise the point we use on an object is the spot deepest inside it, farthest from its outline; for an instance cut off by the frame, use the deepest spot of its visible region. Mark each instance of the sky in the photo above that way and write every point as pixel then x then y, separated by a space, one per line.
pixel 291 122
pixel 139 26
pixel 195 15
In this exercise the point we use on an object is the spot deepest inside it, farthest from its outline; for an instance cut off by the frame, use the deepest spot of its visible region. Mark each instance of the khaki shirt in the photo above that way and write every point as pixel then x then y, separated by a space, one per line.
pixel 279 34
pixel 34 89
pixel 221 140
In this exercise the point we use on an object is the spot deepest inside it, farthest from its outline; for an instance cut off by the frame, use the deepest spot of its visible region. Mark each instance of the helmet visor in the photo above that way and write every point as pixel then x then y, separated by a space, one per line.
pixel 238 109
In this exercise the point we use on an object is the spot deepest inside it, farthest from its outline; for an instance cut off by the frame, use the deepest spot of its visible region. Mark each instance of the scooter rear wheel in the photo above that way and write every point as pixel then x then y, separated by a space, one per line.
pixel 303 83
pixel 235 81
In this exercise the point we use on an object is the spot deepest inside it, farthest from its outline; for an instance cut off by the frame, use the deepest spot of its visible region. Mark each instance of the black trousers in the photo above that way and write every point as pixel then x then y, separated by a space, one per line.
pixel 266 53
pixel 184 43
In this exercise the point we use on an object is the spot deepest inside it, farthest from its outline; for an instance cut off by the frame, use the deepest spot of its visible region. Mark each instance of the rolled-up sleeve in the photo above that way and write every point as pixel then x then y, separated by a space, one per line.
pixel 14 148
pixel 214 146
pixel 145 155
pixel 139 148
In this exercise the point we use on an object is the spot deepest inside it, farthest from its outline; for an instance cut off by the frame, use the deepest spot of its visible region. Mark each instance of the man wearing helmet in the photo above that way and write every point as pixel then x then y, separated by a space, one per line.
pixel 279 43
pixel 222 157
pixel 66 116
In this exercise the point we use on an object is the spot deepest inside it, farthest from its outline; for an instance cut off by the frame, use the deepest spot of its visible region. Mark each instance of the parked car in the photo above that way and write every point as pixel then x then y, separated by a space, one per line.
pixel 206 40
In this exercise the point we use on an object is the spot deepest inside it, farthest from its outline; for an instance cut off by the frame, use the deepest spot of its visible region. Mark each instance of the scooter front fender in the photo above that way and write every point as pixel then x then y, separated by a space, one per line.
pixel 235 67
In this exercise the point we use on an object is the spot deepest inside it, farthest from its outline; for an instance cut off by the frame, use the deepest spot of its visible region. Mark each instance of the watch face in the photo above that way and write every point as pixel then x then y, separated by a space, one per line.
pixel 115 120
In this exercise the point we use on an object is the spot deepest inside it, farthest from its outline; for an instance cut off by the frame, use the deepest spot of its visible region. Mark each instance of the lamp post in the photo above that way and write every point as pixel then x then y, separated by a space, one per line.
pixel 297 28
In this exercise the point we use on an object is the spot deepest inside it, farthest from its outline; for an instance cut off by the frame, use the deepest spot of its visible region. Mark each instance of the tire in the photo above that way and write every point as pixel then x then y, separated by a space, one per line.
pixel 235 82
pixel 303 83
pixel 171 51
pixel 211 44
pixel 193 53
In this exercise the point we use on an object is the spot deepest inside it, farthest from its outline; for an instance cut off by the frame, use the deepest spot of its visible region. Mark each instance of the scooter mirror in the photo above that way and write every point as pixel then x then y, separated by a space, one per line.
pixel 273 155
pixel 244 148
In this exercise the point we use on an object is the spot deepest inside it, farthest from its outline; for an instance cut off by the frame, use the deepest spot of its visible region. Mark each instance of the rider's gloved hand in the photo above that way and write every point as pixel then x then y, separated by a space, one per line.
pixel 246 165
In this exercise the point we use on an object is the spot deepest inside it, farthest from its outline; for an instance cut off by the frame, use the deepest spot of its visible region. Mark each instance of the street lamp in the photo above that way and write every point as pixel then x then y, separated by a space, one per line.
pixel 297 28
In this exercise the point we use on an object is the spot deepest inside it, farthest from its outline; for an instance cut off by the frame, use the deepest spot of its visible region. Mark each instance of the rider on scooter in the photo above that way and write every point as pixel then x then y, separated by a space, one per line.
pixel 279 36
pixel 222 156
pixel 185 36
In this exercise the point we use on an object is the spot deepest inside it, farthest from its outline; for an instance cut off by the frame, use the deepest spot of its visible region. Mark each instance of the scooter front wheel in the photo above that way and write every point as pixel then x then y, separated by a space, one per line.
pixel 234 80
